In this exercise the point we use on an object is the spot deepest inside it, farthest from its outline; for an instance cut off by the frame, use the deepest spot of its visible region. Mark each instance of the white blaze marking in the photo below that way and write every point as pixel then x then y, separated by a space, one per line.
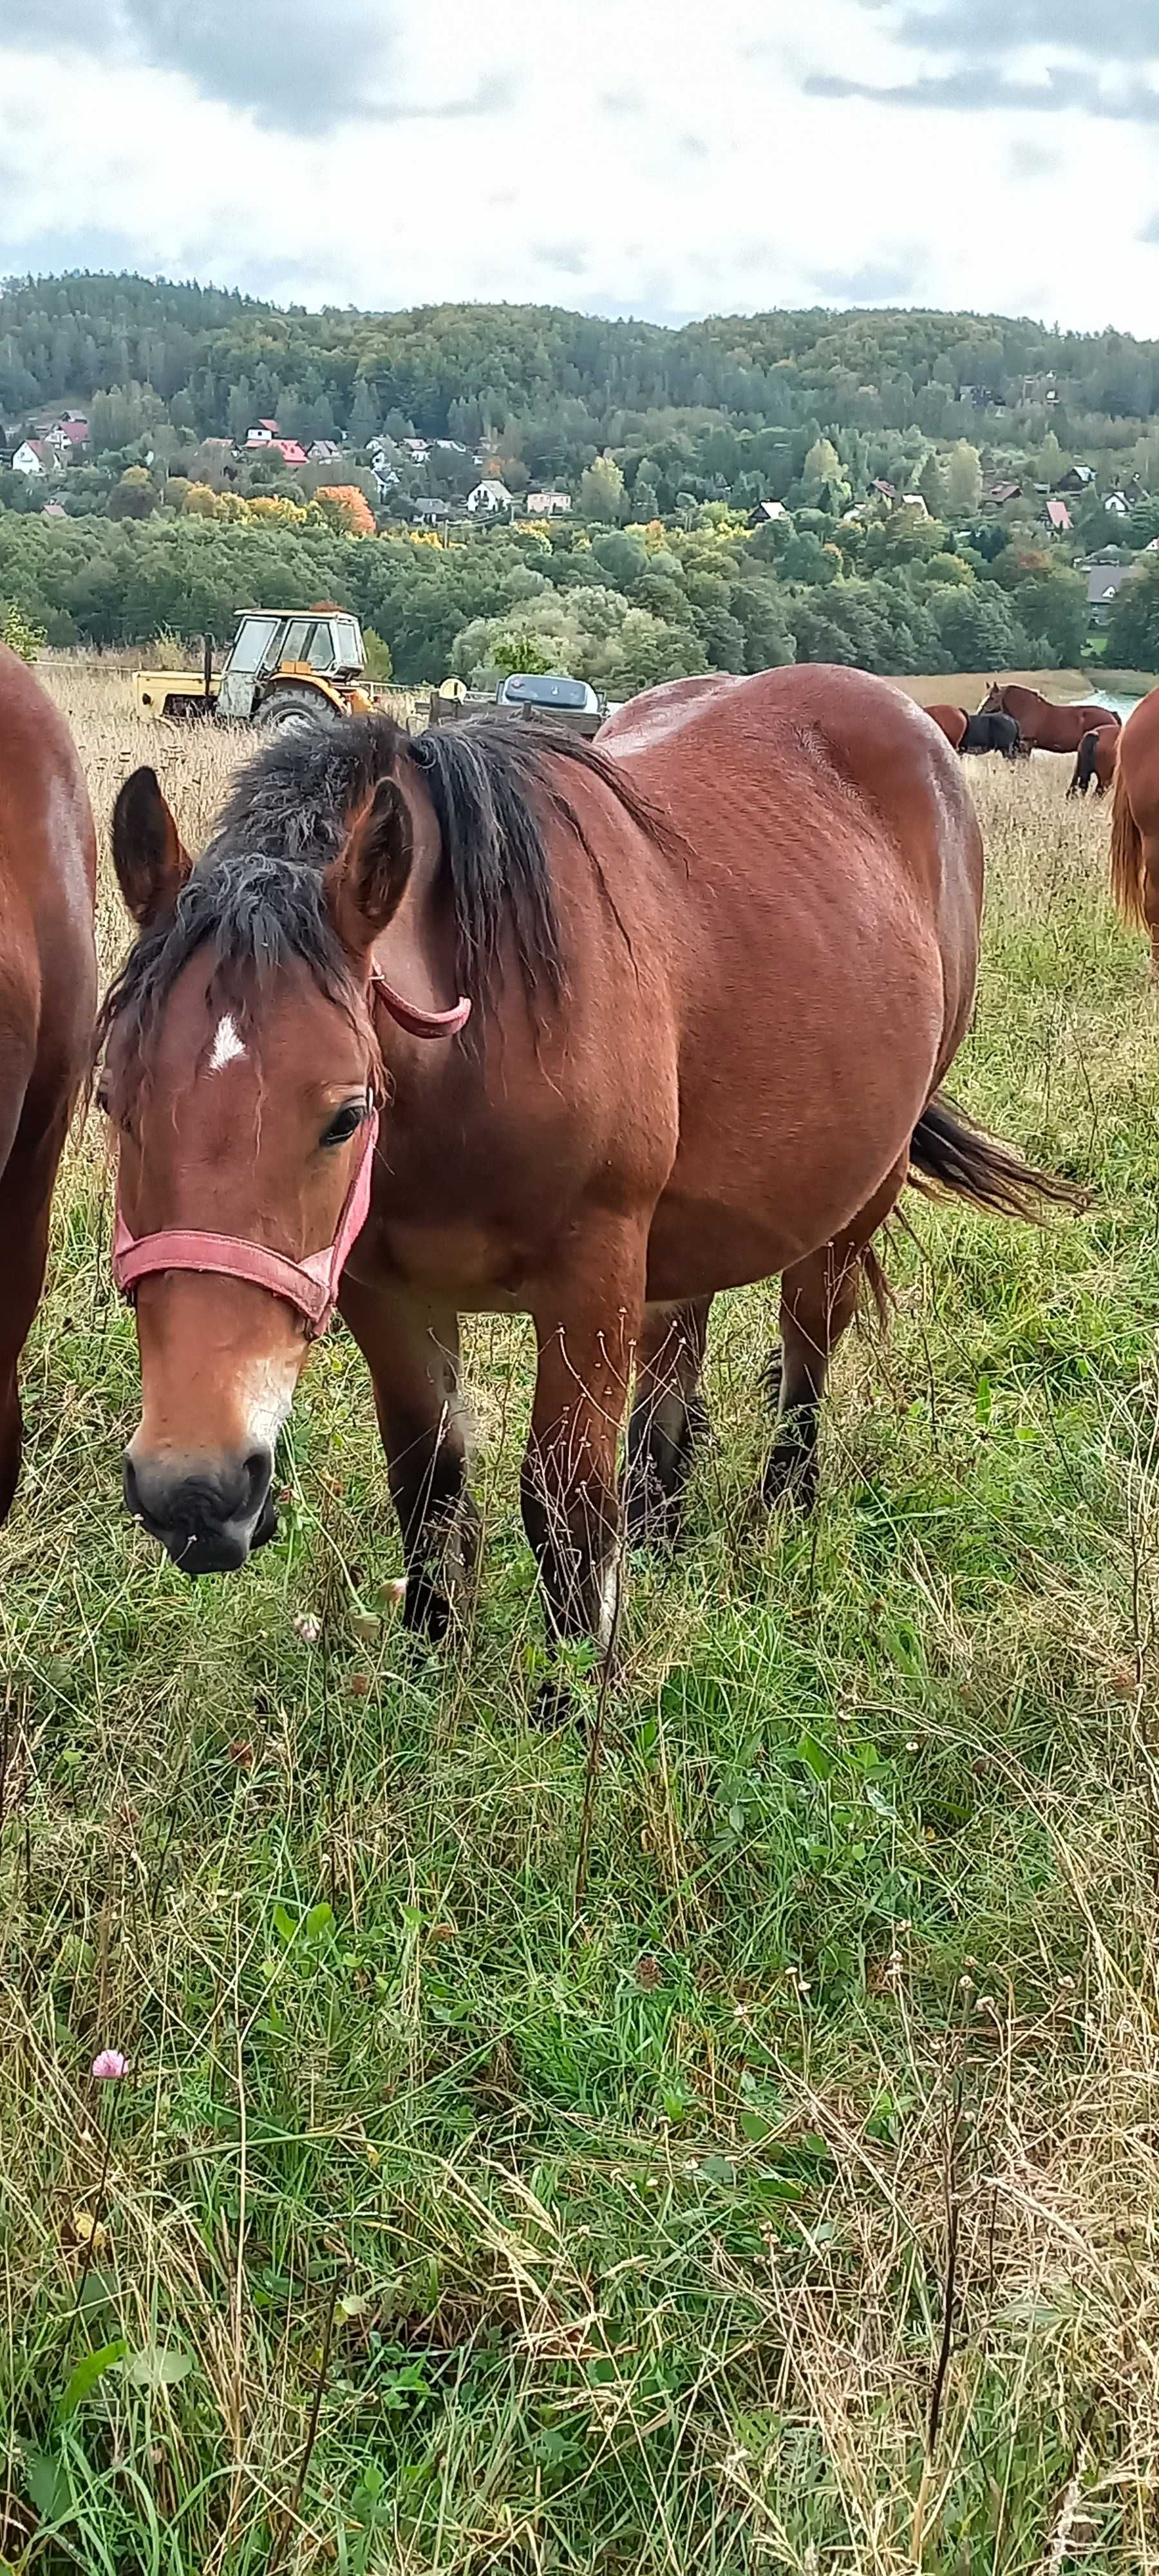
pixel 226 1043
pixel 265 1397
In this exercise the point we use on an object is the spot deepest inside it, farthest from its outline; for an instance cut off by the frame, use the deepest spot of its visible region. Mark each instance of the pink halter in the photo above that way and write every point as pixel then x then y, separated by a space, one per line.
pixel 311 1285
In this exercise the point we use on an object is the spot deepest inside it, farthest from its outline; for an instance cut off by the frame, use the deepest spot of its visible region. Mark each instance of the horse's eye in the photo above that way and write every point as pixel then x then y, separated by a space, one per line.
pixel 344 1124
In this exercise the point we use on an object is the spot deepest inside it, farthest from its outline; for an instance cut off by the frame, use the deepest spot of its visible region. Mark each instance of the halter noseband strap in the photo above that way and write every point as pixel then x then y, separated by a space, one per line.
pixel 310 1285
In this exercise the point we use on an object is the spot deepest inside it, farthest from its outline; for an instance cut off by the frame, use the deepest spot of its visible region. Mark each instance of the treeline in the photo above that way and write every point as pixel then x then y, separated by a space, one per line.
pixel 624 607
pixel 555 387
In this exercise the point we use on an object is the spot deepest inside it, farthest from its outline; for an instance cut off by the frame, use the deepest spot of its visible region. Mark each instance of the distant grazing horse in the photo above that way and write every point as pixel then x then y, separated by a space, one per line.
pixel 952 722
pixel 1045 726
pixel 716 966
pixel 993 733
pixel 47 1001
pixel 1097 754
pixel 1135 823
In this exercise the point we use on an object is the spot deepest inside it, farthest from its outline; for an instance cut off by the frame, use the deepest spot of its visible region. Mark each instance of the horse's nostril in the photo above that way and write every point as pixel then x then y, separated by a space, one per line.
pixel 259 1474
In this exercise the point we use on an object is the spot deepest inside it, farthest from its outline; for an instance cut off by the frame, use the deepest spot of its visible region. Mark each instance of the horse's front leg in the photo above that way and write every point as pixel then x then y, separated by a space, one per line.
pixel 587 1327
pixel 412 1351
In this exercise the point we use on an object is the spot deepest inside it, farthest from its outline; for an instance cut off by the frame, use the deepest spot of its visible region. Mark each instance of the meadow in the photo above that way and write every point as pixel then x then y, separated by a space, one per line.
pixel 725 2139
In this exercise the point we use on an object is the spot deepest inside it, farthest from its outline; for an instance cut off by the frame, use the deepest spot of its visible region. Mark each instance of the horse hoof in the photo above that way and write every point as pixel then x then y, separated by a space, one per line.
pixel 554 1706
pixel 651 1518
pixel 425 1610
pixel 790 1480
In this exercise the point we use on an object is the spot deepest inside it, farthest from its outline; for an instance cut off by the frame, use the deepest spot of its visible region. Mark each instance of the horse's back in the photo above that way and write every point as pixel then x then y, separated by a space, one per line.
pixel 815 739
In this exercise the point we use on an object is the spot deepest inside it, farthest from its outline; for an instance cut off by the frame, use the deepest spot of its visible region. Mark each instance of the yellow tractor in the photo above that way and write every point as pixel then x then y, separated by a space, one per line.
pixel 283 667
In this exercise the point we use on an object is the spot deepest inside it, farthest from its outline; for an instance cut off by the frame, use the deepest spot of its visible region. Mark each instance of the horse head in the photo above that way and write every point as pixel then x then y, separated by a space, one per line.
pixel 242 1075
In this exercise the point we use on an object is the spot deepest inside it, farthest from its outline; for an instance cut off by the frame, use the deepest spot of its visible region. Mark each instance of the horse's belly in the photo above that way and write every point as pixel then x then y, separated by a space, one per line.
pixel 782 1147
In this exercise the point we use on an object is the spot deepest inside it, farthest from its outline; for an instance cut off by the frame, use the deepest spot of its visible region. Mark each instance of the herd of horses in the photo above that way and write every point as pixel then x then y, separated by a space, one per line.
pixel 1016 721
pixel 496 1019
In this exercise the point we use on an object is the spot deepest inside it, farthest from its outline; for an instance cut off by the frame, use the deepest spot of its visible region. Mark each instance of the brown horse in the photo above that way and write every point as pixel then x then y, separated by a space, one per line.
pixel 1097 754
pixel 1135 823
pixel 719 963
pixel 47 1001
pixel 952 722
pixel 1044 725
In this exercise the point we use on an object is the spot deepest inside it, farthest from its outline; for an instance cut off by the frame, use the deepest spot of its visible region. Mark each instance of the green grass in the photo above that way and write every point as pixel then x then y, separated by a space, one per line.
pixel 540 2163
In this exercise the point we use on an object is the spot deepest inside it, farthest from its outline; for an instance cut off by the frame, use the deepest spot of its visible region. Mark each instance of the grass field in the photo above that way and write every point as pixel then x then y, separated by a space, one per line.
pixel 738 2152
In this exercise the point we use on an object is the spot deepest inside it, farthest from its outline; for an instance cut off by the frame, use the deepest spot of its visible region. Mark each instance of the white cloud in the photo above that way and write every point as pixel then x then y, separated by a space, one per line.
pixel 616 161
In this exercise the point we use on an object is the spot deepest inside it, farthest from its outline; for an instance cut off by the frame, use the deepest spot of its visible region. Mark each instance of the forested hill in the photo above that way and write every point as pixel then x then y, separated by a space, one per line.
pixel 565 379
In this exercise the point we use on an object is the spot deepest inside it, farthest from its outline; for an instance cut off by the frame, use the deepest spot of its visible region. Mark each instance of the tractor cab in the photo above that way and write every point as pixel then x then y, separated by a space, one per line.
pixel 283 663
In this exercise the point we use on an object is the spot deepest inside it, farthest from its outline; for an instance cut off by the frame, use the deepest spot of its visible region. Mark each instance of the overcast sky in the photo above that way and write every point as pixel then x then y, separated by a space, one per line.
pixel 656 157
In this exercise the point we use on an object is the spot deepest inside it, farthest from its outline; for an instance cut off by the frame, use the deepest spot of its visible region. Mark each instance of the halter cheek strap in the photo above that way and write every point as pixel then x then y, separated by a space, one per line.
pixel 310 1285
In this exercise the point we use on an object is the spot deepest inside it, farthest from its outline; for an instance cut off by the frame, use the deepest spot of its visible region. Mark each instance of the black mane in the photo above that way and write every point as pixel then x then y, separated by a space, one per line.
pixel 256 900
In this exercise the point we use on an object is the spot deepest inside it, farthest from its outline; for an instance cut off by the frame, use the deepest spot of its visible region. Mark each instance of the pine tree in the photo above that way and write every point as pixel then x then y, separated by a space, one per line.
pixel 931 486
pixel 964 477
pixel 363 413
pixel 241 409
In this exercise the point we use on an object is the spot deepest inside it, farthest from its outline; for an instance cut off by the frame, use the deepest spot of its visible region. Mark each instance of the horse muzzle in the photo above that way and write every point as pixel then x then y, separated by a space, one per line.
pixel 208 1514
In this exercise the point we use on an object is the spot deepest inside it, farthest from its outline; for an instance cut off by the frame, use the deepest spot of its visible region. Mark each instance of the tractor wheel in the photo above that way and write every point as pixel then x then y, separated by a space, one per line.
pixel 292 708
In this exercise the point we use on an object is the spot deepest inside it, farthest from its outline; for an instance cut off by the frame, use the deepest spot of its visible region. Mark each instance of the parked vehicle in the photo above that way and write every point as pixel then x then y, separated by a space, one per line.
pixel 282 667
pixel 528 697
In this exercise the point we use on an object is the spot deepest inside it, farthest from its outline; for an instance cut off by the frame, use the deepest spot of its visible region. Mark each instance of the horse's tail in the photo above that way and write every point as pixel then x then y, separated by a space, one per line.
pixel 1128 865
pixel 1084 768
pixel 949 1153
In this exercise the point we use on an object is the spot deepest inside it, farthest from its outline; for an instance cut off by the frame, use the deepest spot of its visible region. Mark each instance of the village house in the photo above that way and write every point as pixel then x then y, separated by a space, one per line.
pixel 324 451
pixel 266 434
pixel 547 505
pixel 1059 518
pixel 1104 582
pixel 765 512
pixel 488 496
pixel 68 437
pixel 31 457
pixel 1077 478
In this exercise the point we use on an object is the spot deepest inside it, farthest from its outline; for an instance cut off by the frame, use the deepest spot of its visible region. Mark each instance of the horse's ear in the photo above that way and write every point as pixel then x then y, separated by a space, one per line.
pixel 367 881
pixel 148 856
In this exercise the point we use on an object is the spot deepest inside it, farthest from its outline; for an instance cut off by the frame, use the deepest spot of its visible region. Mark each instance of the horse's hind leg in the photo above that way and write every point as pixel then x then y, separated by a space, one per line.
pixel 667 1419
pixel 818 1303
pixel 412 1352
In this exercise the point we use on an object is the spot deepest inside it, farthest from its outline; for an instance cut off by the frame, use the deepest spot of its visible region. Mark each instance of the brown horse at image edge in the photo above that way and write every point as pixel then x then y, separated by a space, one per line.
pixel 47 1001
pixel 718 964
pixel 1135 823
pixel 1045 725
